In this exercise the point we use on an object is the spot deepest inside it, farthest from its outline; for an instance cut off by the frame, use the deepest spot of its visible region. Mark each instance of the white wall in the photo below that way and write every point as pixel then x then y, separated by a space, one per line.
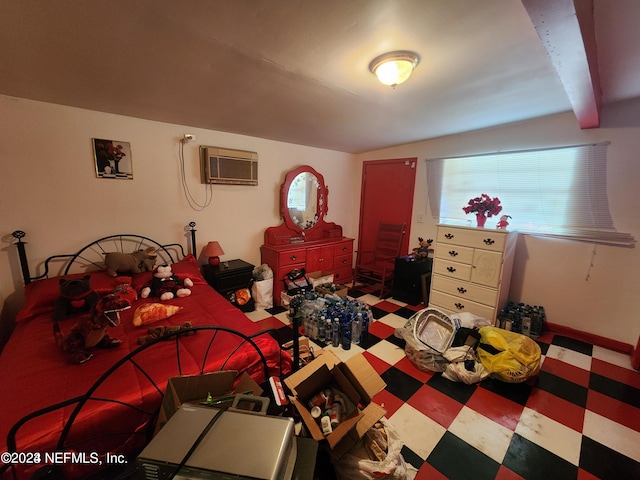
pixel 50 190
pixel 49 187
pixel 590 288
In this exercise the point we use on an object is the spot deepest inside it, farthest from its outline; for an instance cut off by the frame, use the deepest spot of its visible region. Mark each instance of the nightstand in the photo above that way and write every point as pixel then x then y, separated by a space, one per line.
pixel 411 280
pixel 227 279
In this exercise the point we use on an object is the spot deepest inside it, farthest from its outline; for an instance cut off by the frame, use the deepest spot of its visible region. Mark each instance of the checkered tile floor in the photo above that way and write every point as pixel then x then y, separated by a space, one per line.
pixel 578 419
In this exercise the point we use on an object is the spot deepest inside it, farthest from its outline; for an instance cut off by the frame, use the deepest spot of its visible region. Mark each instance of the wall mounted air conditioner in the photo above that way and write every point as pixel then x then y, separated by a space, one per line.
pixel 228 166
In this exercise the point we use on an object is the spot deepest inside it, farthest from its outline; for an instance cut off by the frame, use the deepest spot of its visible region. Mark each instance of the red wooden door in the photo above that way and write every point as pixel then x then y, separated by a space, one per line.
pixel 387 196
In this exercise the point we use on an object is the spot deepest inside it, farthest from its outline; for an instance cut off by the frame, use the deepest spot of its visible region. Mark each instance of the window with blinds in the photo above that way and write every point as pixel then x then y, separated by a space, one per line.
pixel 553 191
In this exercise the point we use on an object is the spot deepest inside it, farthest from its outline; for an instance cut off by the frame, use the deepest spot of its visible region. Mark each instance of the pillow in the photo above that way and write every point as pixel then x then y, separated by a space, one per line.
pixel 186 268
pixel 41 295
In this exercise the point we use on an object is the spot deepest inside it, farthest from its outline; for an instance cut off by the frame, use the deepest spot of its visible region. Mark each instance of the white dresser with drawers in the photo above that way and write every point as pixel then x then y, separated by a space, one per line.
pixel 472 270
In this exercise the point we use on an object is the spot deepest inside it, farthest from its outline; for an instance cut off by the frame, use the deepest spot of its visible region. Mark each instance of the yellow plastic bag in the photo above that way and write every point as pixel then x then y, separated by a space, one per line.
pixel 510 357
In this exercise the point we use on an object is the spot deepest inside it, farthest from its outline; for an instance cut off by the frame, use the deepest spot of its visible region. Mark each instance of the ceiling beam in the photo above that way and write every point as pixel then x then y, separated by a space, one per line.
pixel 566 28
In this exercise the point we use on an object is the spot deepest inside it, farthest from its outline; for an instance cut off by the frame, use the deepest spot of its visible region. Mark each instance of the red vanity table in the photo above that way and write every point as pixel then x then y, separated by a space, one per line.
pixel 304 239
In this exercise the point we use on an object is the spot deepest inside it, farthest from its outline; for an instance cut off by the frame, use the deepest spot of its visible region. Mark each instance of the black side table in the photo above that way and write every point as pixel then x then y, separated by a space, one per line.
pixel 227 277
pixel 411 280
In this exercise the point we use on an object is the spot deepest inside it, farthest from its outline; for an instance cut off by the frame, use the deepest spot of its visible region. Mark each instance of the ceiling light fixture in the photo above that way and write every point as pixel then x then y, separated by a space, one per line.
pixel 393 68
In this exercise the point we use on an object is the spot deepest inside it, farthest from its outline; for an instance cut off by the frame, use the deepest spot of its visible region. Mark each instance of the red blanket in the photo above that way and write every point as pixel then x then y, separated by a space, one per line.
pixel 34 374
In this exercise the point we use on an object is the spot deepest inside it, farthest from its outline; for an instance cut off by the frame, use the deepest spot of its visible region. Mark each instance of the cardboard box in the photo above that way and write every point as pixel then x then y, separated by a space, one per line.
pixel 357 379
pixel 304 349
pixel 320 278
pixel 196 388
pixel 331 289
pixel 285 298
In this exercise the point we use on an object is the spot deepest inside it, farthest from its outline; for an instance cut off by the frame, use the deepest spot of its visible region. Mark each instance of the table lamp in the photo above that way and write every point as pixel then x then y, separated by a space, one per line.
pixel 213 250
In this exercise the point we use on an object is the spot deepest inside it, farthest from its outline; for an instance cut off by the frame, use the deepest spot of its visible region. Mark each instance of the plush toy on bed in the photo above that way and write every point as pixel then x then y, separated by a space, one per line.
pixel 165 285
pixel 123 289
pixel 90 331
pixel 162 330
pixel 76 296
pixel 132 263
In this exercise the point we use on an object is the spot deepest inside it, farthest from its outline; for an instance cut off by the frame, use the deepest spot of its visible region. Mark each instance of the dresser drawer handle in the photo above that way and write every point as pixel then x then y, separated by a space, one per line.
pixel 344 249
pixel 448 236
pixel 462 290
pixel 453 253
pixel 489 241
pixel 293 258
pixel 459 306
pixel 451 269
pixel 344 261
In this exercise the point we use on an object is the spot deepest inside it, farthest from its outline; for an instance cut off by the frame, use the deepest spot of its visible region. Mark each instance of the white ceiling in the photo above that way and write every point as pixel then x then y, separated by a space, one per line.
pixel 297 70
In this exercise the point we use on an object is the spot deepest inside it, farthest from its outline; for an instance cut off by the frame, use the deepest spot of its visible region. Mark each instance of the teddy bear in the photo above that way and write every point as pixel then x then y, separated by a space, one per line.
pixel 90 331
pixel 166 285
pixel 76 296
pixel 161 331
pixel 136 262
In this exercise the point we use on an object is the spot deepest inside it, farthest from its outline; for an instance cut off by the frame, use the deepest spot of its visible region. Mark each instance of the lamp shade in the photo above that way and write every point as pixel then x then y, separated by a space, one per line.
pixel 213 250
pixel 393 68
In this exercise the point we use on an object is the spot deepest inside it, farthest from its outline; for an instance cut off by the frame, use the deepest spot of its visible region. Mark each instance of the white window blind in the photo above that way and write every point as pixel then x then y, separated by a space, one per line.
pixel 555 191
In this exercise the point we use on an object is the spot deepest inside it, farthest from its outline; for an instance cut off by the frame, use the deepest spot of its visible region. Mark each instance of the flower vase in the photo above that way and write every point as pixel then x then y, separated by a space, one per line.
pixel 480 219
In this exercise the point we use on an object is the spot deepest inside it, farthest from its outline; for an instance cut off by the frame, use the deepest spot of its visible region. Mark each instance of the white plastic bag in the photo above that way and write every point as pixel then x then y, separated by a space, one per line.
pixel 457 371
pixel 262 293
pixel 423 357
pixel 352 466
pixel 262 288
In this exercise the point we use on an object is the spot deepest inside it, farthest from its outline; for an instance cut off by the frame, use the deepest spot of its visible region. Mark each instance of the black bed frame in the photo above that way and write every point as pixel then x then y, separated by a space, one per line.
pixel 89 256
pixel 84 257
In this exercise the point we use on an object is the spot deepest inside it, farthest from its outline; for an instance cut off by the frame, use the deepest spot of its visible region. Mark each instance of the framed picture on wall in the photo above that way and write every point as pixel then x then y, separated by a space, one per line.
pixel 112 159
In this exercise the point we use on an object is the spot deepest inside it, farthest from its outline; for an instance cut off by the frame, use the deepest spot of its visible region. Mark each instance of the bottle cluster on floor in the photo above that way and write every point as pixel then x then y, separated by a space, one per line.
pixel 523 318
pixel 331 320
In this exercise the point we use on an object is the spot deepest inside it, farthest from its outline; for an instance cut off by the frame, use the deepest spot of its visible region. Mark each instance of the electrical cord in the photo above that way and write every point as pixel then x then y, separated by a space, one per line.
pixel 193 203
pixel 195 445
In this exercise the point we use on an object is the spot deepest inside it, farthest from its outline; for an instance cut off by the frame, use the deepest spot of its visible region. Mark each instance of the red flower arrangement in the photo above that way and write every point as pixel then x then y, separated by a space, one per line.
pixel 483 205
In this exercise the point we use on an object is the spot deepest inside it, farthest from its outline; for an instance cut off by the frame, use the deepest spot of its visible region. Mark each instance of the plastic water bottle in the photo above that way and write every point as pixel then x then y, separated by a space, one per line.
pixel 364 331
pixel 329 332
pixel 356 328
pixel 346 335
pixel 322 327
pixel 335 339
pixel 314 327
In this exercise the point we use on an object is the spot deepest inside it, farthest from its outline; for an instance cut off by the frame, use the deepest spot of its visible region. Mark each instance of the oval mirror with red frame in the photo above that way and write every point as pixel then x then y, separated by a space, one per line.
pixel 303 199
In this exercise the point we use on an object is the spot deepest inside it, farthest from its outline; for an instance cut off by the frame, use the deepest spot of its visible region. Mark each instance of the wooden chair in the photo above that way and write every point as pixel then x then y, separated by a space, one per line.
pixel 376 266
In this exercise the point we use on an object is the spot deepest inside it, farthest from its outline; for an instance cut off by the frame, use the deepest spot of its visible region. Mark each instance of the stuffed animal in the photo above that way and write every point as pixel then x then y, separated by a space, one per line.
pixel 423 249
pixel 503 223
pixel 76 296
pixel 136 262
pixel 90 331
pixel 123 289
pixel 166 285
pixel 161 331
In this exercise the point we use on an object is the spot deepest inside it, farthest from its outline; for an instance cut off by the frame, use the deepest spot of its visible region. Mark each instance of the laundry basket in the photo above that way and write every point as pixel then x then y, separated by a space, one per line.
pixel 434 329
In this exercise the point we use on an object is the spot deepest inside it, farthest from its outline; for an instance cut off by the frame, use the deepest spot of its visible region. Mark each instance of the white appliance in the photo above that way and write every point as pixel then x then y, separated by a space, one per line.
pixel 239 445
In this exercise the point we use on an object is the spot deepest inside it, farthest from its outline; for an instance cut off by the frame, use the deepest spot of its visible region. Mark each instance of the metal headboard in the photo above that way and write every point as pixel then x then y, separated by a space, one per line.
pixel 91 256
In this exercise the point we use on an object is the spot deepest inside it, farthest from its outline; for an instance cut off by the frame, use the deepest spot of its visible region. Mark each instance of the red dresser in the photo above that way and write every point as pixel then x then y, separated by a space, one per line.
pixel 334 255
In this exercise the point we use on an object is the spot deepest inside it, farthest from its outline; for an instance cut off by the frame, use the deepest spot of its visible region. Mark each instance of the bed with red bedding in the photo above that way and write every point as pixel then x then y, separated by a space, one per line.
pixel 109 404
